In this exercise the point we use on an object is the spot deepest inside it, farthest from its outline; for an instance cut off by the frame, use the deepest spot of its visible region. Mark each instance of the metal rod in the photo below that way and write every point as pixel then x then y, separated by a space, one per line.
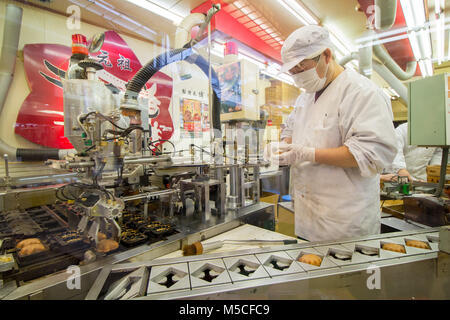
pixel 7 177
pixel 443 171
pixel 149 194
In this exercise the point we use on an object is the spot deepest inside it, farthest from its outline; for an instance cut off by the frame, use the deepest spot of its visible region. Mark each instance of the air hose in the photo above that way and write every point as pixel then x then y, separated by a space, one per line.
pixel 146 72
pixel 36 154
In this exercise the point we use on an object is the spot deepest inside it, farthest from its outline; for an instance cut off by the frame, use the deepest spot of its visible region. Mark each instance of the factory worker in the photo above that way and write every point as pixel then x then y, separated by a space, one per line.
pixel 411 161
pixel 342 138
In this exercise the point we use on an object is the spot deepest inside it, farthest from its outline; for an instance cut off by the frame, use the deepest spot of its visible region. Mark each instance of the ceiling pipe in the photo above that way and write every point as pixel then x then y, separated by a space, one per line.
pixel 385 13
pixel 382 71
pixel 11 34
pixel 346 59
pixel 391 79
pixel 183 33
pixel 387 60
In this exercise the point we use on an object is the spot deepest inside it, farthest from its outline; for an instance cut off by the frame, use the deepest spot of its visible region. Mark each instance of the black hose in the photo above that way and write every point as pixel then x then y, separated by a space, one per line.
pixel 36 154
pixel 146 72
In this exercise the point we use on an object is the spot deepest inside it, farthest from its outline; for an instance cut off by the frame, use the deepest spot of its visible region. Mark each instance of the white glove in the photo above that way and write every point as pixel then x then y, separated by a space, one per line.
pixel 273 149
pixel 294 154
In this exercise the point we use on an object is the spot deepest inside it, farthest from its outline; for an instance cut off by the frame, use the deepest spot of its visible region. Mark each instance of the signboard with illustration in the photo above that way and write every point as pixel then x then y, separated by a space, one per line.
pixel 230 87
pixel 194 117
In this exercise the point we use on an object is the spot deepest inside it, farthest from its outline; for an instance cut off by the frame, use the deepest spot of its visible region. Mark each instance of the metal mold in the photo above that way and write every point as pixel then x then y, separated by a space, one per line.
pixel 394 241
pixel 367 246
pixel 168 278
pixel 297 254
pixel 209 272
pixel 279 263
pixel 131 286
pixel 245 268
pixel 433 240
pixel 406 239
pixel 341 255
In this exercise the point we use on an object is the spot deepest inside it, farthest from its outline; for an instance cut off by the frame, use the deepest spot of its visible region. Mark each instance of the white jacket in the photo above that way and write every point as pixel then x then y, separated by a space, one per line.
pixel 412 158
pixel 332 202
pixel 286 132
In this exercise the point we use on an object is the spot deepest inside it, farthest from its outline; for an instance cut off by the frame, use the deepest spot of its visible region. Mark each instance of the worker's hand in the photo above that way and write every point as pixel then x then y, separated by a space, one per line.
pixel 273 149
pixel 287 140
pixel 294 154
pixel 405 173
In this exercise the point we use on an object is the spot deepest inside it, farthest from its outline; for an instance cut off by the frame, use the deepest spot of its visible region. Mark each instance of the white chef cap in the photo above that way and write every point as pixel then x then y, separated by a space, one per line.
pixel 304 43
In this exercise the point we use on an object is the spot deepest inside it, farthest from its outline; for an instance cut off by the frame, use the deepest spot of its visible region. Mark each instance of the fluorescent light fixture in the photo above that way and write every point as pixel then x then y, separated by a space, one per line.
pixel 106 8
pixel 339 44
pixel 152 7
pixel 238 4
pixel 246 10
pixel 306 18
pixel 415 45
pixel 419 36
pixel 299 12
pixel 439 10
pixel 426 68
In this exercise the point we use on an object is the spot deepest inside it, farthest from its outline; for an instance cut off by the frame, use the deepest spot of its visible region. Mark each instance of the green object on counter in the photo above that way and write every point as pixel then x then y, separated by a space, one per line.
pixel 405 189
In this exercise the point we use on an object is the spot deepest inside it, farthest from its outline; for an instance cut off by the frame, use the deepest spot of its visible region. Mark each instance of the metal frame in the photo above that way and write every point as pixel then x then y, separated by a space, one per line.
pixel 332 280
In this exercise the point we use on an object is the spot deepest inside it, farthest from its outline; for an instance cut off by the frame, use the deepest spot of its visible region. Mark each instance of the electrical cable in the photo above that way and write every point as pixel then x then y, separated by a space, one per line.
pixel 151 143
pixel 102 116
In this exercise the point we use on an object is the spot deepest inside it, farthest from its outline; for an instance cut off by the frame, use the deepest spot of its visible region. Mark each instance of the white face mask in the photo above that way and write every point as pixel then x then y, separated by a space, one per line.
pixel 310 80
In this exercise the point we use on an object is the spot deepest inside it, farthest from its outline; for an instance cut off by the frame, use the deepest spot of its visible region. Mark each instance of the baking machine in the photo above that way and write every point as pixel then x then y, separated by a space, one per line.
pixel 119 186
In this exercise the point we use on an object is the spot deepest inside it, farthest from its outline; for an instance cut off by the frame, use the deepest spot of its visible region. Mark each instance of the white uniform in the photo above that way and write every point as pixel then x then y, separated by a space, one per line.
pixel 412 158
pixel 333 202
pixel 289 126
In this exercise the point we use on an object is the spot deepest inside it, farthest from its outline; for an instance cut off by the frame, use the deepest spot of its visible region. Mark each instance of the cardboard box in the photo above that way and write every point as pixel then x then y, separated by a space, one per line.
pixel 436 170
pixel 285 222
pixel 434 174
pixel 281 94
pixel 272 198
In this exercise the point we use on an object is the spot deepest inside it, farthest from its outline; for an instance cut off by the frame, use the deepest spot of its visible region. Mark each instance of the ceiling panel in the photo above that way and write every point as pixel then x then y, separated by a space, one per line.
pixel 184 7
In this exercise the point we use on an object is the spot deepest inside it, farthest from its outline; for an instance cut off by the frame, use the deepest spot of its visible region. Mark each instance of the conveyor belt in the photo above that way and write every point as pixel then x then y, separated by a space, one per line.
pixel 238 274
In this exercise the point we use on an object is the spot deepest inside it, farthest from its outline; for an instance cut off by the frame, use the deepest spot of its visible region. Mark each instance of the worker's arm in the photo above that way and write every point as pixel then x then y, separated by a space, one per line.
pixel 340 157
pixel 294 153
pixel 367 130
